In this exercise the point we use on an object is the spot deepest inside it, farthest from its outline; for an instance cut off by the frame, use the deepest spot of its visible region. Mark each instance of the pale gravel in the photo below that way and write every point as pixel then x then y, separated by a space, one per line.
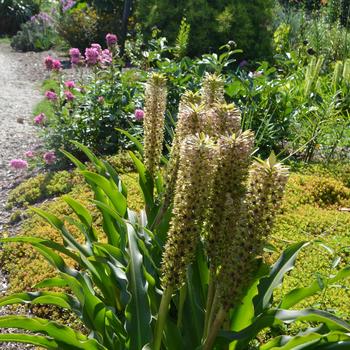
pixel 20 78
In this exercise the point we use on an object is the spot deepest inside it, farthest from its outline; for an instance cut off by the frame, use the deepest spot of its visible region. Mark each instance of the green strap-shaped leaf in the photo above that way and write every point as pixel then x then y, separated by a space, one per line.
pixel 84 216
pixel 136 142
pixel 59 225
pixel 114 175
pixel 61 334
pixel 92 157
pixel 74 160
pixel 145 180
pixel 50 298
pixel 299 294
pixel 307 342
pixel 44 242
pixel 137 312
pixel 110 189
pixel 52 282
pixel 268 284
pixel 36 340
pixel 312 315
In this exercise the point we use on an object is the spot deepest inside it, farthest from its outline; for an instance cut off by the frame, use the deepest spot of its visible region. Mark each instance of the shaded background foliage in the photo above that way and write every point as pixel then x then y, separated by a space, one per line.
pixel 212 23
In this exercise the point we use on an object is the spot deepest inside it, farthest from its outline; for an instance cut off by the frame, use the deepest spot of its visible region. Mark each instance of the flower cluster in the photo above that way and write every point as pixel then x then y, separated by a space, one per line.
pixel 192 189
pixel 155 104
pixel 66 5
pixel 219 195
pixel 52 64
pixel 94 54
pixel 75 56
pixel 48 158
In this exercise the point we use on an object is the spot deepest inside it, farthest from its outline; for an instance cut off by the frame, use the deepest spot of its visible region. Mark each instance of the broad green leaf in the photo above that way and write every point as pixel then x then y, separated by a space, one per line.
pixel 61 334
pixel 137 312
pixel 243 314
pixel 268 284
pixel 299 294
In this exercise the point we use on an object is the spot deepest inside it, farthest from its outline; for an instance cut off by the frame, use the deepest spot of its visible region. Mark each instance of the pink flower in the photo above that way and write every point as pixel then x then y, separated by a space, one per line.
pixel 18 164
pixel 56 65
pixel 70 84
pixel 49 157
pixel 139 114
pixel 29 154
pixel 50 95
pixel 91 56
pixel 106 57
pixel 101 99
pixel 111 39
pixel 48 62
pixel 69 95
pixel 97 47
pixel 39 119
pixel 75 55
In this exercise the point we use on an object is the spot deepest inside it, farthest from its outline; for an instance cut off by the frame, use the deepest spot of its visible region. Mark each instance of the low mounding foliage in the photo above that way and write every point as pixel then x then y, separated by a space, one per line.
pixel 15 12
pixel 186 271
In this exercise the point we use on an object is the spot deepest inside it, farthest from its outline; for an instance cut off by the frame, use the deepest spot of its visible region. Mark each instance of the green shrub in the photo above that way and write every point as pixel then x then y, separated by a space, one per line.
pixel 212 23
pixel 79 26
pixel 15 12
pixel 35 35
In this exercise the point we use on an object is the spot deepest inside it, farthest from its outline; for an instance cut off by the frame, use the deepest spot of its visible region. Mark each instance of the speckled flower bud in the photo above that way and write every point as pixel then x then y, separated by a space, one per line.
pixel 155 104
pixel 212 90
pixel 233 160
pixel 190 204
pixel 221 119
pixel 267 180
pixel 188 124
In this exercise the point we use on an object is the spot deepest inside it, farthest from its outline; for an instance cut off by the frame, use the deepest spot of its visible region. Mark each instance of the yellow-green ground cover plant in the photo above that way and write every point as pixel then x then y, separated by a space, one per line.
pixel 187 271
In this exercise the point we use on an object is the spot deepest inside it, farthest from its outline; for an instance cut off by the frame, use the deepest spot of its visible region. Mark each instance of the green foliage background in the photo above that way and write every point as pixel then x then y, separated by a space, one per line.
pixel 213 23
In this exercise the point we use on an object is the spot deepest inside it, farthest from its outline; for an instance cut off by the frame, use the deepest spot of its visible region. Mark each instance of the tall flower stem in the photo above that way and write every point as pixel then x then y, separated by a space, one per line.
pixel 210 299
pixel 214 329
pixel 162 314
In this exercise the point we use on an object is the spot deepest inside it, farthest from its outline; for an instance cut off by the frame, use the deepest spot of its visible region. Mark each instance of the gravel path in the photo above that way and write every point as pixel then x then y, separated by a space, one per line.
pixel 20 76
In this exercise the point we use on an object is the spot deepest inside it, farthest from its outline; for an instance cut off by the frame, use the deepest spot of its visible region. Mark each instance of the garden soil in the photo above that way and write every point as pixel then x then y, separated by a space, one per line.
pixel 20 78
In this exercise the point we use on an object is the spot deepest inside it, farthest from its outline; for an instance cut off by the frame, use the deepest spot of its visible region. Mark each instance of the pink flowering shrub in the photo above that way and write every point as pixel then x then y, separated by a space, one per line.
pixel 92 56
pixel 89 110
